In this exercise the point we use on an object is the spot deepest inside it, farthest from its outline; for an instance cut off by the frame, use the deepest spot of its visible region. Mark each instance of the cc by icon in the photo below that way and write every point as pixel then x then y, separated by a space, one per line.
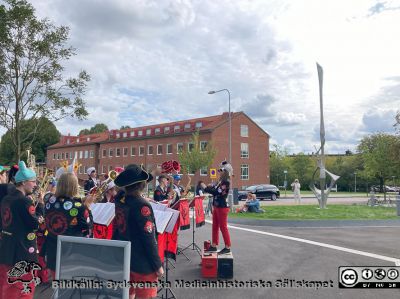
pixel 349 277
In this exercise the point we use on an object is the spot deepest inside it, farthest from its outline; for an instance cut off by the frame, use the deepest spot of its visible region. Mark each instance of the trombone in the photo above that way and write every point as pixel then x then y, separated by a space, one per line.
pixel 98 191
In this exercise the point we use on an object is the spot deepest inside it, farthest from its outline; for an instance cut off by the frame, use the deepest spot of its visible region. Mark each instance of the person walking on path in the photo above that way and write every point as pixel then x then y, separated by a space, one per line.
pixel 296 191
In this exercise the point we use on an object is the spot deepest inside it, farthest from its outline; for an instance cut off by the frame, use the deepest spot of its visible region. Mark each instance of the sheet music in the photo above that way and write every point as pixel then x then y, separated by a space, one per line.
pixel 162 219
pixel 103 213
pixel 173 218
pixel 172 222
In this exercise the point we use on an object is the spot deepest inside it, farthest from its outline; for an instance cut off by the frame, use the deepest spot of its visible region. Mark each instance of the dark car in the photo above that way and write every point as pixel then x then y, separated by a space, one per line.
pixel 261 191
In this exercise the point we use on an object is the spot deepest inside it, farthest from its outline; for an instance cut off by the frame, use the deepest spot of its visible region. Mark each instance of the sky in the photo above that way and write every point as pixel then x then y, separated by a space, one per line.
pixel 154 61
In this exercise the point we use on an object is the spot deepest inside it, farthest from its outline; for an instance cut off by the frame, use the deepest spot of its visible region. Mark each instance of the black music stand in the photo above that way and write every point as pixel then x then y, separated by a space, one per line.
pixel 193 244
pixel 169 294
pixel 180 250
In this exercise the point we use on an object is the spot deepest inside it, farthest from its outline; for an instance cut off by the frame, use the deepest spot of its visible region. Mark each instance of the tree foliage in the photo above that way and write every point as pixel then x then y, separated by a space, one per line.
pixel 380 153
pixel 32 84
pixel 46 136
pixel 196 158
pixel 97 128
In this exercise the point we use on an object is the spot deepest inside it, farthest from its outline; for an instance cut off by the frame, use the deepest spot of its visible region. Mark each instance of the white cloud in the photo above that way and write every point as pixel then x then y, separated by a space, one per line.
pixel 154 61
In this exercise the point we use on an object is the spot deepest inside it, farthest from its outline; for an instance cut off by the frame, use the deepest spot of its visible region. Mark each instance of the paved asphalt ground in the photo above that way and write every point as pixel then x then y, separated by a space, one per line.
pixel 268 253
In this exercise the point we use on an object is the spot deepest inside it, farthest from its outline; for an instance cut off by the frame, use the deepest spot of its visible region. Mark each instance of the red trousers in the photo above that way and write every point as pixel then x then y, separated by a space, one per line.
pixel 8 291
pixel 220 222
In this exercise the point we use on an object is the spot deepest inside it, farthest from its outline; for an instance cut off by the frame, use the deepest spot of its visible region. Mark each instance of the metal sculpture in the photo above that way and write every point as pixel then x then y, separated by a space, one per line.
pixel 322 194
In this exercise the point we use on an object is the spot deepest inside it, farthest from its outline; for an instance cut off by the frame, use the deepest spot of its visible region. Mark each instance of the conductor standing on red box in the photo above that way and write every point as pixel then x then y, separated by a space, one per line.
pixel 134 221
pixel 221 208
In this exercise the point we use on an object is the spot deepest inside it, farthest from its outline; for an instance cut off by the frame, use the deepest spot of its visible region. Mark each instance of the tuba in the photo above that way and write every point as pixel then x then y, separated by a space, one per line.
pixel 98 191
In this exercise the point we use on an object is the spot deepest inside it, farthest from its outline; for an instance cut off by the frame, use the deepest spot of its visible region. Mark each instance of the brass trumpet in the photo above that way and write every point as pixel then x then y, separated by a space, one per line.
pixel 98 191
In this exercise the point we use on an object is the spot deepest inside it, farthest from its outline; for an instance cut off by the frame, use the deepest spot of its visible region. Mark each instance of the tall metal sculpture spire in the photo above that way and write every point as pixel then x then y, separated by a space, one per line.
pixel 322 194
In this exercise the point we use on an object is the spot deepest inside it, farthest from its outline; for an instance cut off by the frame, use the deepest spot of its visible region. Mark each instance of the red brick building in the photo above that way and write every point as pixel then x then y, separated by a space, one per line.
pixel 155 144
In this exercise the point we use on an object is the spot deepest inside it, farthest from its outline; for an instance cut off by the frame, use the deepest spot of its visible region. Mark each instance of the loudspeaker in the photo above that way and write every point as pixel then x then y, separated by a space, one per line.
pixel 225 265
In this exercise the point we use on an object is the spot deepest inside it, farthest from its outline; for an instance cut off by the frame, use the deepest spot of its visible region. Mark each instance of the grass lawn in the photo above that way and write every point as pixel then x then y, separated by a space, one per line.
pixel 311 212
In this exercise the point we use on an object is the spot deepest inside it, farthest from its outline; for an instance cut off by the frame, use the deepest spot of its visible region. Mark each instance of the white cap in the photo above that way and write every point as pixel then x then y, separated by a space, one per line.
pixel 226 166
pixel 90 170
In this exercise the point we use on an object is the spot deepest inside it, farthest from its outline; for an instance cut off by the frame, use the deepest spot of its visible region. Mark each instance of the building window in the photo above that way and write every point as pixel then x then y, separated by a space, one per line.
pixel 104 153
pixel 169 149
pixel 133 151
pixel 71 155
pixel 125 151
pixel 141 150
pixel 166 130
pixel 67 141
pixel 190 146
pixel 54 156
pixel 86 154
pixel 66 155
pixel 244 150
pixel 110 168
pixel 244 130
pixel 244 171
pixel 132 133
pixel 159 149
pixel 140 133
pixel 187 126
pixel 117 135
pixel 148 132
pixel 177 128
pixel 88 139
pixel 149 150
pixel 62 156
pixel 125 134
pixel 179 148
pixel 80 169
pixel 117 152
pixel 92 154
pixel 110 152
pixel 80 154
pixel 103 169
pixel 77 140
pixel 204 171
pixel 157 131
pixel 203 146
pixel 199 124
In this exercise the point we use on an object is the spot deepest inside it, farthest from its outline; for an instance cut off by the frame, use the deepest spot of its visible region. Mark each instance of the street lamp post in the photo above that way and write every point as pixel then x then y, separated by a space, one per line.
pixel 285 182
pixel 230 138
pixel 355 182
pixel 230 120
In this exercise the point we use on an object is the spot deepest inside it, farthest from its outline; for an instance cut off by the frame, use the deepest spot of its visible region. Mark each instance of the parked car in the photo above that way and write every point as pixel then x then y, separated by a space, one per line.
pixel 263 191
pixel 386 188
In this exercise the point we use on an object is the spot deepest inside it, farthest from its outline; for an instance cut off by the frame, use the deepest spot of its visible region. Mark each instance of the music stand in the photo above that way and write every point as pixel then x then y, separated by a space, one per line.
pixel 169 294
pixel 175 206
pixel 193 244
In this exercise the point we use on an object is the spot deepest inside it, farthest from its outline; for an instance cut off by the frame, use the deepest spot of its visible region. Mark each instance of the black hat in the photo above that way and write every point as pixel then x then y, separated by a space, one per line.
pixel 131 175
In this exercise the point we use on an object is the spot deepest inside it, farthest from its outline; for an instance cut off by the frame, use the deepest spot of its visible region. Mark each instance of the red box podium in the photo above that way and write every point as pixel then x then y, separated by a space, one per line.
pixel 209 264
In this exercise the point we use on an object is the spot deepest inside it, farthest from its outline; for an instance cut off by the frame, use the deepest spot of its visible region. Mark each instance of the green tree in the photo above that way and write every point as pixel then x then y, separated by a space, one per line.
pixel 380 154
pixel 301 168
pixel 97 128
pixel 278 163
pixel 196 158
pixel 125 127
pixel 32 84
pixel 47 134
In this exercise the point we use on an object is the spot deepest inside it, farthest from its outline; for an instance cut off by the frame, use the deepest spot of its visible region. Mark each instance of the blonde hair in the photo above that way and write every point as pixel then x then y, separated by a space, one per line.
pixel 67 185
